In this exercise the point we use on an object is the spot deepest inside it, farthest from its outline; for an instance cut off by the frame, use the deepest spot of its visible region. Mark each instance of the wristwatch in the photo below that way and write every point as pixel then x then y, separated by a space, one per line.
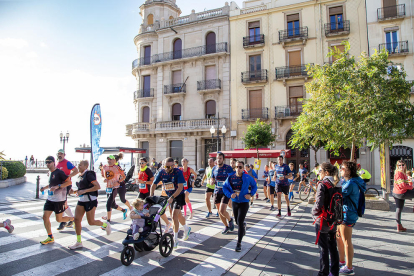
pixel 173 196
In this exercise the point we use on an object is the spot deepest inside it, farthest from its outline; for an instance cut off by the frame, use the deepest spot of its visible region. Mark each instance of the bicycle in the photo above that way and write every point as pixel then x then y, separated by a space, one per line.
pixel 306 190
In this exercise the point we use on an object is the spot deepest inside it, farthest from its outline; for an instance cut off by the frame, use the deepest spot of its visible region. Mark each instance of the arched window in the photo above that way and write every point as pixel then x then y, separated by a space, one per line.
pixel 177 48
pixel 210 43
pixel 146 114
pixel 176 112
pixel 171 17
pixel 210 109
pixel 150 19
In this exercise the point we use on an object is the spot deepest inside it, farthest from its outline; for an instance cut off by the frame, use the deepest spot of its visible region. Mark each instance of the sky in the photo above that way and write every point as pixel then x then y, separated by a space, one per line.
pixel 59 58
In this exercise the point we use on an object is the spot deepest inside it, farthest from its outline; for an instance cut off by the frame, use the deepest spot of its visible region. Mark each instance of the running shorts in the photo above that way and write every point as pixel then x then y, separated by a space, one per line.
pixel 209 190
pixel 272 189
pixel 282 189
pixel 88 205
pixel 178 202
pixel 57 207
pixel 189 190
pixel 221 198
pixel 265 184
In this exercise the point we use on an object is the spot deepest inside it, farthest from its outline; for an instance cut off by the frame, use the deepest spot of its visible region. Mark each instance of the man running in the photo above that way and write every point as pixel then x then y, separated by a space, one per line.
pixel 188 186
pixel 265 176
pixel 58 181
pixel 249 170
pixel 209 186
pixel 218 176
pixel 303 173
pixel 282 173
pixel 70 170
pixel 173 183
pixel 293 180
pixel 272 184
pixel 145 179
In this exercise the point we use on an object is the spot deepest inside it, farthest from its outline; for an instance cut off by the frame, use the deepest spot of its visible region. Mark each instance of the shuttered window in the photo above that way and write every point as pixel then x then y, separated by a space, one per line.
pixel 292 17
pixel 295 58
pixel 177 77
pixel 210 109
pixel 177 49
pixel 255 103
pixel 176 112
pixel 150 19
pixel 146 114
pixel 295 99
pixel 211 72
pixel 341 48
pixel 336 10
pixel 389 3
pixel 296 91
pixel 147 55
pixel 210 43
pixel 255 24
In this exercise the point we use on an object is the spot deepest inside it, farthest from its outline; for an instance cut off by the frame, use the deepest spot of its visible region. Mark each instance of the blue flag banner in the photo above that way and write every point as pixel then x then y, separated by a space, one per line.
pixel 96 128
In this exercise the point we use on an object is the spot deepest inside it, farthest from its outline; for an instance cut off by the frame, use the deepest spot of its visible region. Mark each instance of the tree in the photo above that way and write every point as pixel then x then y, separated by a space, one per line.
pixel 352 100
pixel 2 155
pixel 258 135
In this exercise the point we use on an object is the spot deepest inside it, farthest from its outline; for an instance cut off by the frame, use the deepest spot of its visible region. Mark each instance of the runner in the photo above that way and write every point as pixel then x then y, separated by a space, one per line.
pixel 176 164
pixel 145 179
pixel 237 187
pixel 58 181
pixel 7 224
pixel 122 184
pixel 233 162
pixel 173 183
pixel 293 180
pixel 188 186
pixel 70 170
pixel 248 170
pixel 282 173
pixel 218 176
pixel 112 174
pixel 87 191
pixel 209 186
pixel 265 176
pixel 303 172
pixel 272 185
pixel 164 195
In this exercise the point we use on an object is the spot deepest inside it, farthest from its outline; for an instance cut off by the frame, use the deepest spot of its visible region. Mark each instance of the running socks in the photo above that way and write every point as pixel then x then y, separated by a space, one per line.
pixel 288 209
pixel 290 195
pixel 280 212
pixel 175 236
pixel 189 207
pixel 78 238
pixel 68 212
pixel 50 236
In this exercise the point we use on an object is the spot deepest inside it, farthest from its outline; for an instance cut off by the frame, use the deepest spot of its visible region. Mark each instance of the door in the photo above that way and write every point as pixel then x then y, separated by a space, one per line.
pixel 293 25
pixel 390 8
pixel 147 86
pixel 147 55
pixel 210 43
pixel 176 81
pixel 146 114
pixel 295 62
pixel 145 145
pixel 210 78
pixel 391 40
pixel 255 67
pixel 255 104
pixel 295 100
pixel 336 19
pixel 176 112
pixel 254 32
pixel 176 150
pixel 210 145
pixel 177 49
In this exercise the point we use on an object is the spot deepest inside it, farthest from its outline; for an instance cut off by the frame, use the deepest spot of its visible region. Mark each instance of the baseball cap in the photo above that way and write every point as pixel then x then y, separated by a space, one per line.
pixel 50 158
pixel 61 151
pixel 111 157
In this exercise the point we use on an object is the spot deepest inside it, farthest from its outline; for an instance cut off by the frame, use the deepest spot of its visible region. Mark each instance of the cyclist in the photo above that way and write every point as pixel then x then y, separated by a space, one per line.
pixel 188 186
pixel 363 173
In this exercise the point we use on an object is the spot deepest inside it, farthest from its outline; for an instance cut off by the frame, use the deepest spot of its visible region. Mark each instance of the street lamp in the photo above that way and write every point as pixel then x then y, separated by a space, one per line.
pixel 64 139
pixel 213 130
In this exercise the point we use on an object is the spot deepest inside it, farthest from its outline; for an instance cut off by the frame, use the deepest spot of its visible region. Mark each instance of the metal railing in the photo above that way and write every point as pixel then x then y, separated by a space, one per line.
pixel 395 47
pixel 174 88
pixel 144 93
pixel 208 84
pixel 253 40
pixel 190 52
pixel 337 27
pixel 284 111
pixel 254 76
pixel 255 113
pixel 391 12
pixel 290 71
pixel 294 33
pixel 188 124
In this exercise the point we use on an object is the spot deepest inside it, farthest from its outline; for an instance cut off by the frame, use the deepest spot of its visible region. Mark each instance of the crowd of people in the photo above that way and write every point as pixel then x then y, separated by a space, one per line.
pixel 231 186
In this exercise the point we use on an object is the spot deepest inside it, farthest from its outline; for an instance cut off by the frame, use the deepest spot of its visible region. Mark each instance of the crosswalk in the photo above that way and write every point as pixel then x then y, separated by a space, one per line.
pixel 206 252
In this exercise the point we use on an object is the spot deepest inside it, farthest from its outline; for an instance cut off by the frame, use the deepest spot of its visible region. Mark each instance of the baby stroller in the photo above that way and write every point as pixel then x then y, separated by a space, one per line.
pixel 149 238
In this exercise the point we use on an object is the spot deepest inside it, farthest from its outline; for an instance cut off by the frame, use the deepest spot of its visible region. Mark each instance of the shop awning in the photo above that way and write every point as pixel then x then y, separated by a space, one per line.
pixel 110 150
pixel 252 153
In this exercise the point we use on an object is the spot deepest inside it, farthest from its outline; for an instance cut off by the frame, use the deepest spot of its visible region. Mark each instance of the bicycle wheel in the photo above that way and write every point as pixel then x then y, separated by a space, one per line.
pixel 372 192
pixel 304 193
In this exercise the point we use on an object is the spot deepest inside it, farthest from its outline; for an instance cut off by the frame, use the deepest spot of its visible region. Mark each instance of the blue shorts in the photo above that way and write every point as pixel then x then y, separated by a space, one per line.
pixel 189 190
pixel 265 184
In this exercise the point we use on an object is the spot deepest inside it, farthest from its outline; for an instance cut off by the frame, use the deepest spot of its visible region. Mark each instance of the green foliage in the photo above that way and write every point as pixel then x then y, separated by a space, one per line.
pixel 352 100
pixel 15 169
pixel 2 155
pixel 4 173
pixel 258 135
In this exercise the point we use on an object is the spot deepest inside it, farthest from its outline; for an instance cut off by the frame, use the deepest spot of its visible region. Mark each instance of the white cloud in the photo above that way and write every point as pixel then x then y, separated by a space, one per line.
pixel 31 54
pixel 15 43
pixel 43 45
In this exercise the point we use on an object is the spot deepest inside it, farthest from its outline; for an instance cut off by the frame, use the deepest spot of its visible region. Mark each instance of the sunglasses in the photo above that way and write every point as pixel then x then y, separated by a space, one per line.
pixel 141 163
pixel 240 167
pixel 48 162
pixel 168 167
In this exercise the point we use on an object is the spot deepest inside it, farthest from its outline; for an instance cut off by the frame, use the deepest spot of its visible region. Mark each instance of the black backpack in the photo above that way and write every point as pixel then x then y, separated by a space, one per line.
pixel 95 193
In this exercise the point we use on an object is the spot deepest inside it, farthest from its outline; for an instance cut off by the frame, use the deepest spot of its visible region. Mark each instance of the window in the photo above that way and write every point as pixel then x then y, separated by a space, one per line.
pixel 177 48
pixel 341 48
pixel 210 109
pixel 146 88
pixel 176 149
pixel 295 61
pixel 295 99
pixel 255 103
pixel 211 72
pixel 255 67
pixel 390 8
pixel 254 32
pixel 176 81
pixel 176 112
pixel 145 145
pixel 147 55
pixel 293 24
pixel 145 114
pixel 210 43
pixel 150 19
pixel 391 40
pixel 336 18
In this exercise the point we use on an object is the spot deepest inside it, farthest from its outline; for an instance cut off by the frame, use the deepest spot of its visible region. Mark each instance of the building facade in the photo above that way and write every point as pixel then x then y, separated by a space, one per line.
pixel 271 44
pixel 183 81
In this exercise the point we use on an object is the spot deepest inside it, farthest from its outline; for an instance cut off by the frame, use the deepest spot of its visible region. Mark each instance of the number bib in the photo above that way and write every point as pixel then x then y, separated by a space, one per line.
pixel 169 186
pixel 109 190
pixel 142 186
pixel 279 175
pixel 219 184
pixel 185 184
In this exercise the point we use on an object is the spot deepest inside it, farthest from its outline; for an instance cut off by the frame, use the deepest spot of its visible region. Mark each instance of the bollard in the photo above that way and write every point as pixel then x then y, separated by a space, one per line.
pixel 37 186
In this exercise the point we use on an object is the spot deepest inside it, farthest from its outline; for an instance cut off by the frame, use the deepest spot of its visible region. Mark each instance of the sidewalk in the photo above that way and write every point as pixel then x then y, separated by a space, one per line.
pixel 289 248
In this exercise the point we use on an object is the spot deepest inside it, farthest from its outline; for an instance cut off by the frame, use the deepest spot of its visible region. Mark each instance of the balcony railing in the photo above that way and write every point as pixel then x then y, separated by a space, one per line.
pixel 290 71
pixel 253 40
pixel 190 52
pixel 174 88
pixel 399 47
pixel 188 124
pixel 287 111
pixel 208 84
pixel 255 113
pixel 254 76
pixel 144 93
pixel 391 12
pixel 294 33
pixel 337 27
pixel 141 127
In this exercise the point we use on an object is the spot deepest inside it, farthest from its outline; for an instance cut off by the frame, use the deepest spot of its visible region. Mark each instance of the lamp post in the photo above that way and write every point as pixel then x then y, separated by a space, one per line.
pixel 217 136
pixel 64 139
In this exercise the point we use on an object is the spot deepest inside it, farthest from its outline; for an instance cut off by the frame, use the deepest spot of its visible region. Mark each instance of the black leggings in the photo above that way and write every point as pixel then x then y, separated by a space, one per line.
pixel 122 192
pixel 399 202
pixel 110 203
pixel 240 212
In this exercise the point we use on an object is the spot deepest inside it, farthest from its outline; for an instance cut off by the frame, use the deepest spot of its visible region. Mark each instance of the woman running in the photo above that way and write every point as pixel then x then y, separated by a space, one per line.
pixel 164 195
pixel 122 184
pixel 145 178
pixel 88 202
pixel 237 187
pixel 188 186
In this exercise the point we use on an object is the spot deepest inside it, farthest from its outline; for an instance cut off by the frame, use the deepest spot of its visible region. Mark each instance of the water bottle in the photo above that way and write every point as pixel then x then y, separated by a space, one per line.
pixel 43 192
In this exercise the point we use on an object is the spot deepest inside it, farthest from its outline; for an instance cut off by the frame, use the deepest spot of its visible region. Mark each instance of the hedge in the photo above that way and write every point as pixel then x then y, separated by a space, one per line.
pixel 4 173
pixel 15 169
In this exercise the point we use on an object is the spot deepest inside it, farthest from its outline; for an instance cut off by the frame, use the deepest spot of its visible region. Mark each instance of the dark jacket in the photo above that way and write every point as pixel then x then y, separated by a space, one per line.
pixel 321 201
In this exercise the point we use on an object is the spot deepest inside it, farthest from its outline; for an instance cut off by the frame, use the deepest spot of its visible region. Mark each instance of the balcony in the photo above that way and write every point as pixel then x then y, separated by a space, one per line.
pixel 199 124
pixel 288 72
pixel 337 28
pixel 255 113
pixel 395 48
pixel 253 41
pixel 254 76
pixel 137 128
pixel 294 34
pixel 390 13
pixel 144 93
pixel 209 85
pixel 174 89
pixel 287 112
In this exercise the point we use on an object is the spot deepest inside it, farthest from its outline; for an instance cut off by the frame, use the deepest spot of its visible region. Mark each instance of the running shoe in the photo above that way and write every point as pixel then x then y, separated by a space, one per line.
pixel 279 215
pixel 268 201
pixel 167 227
pixel 70 224
pixel 125 214
pixel 251 202
pixel 75 246
pixel 272 208
pixel 226 230
pixel 231 224
pixel 289 213
pixel 176 245
pixel 62 226
pixel 48 240
pixel 297 192
pixel 187 234
pixel 217 215
pixel 108 229
pixel 346 271
pixel 191 215
pixel 238 247
pixel 265 198
pixel 8 226
pixel 209 214
pixel 341 264
pixel 257 196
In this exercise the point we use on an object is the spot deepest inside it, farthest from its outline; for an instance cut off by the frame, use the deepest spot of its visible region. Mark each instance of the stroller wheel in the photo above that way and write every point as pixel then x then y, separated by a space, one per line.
pixel 137 248
pixel 127 255
pixel 166 245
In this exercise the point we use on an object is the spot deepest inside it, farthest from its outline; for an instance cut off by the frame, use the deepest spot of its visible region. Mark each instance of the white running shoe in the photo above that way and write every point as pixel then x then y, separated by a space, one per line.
pixel 136 236
pixel 176 245
pixel 191 215
pixel 75 246
pixel 108 229
pixel 187 234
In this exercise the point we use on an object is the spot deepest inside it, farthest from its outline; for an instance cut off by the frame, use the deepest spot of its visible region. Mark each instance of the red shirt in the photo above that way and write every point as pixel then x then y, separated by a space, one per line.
pixel 65 166
pixel 186 177
pixel 401 183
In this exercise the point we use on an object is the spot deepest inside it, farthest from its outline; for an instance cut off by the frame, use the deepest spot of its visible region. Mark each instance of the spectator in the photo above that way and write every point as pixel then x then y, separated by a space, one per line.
pixel 153 166
pixel 31 161
pixel 403 189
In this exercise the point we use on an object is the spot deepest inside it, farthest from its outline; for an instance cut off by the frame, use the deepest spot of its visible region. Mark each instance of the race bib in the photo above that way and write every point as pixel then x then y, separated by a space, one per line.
pixel 185 184
pixel 142 186
pixel 50 193
pixel 279 175
pixel 169 186
pixel 109 190
pixel 220 184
